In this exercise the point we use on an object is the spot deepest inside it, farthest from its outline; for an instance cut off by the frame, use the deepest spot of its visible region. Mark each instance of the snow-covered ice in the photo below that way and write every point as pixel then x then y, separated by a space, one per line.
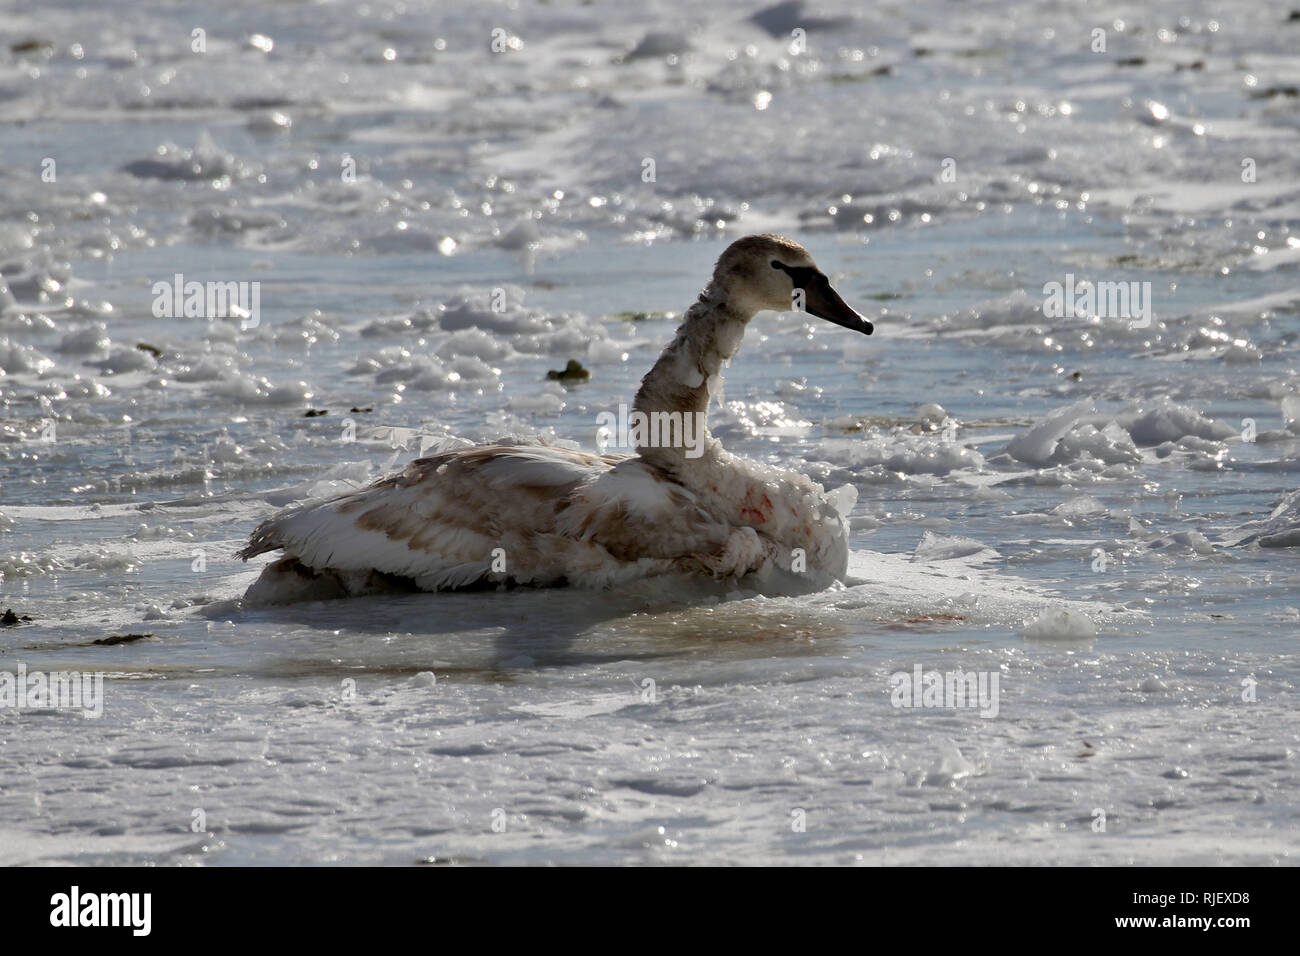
pixel 1098 508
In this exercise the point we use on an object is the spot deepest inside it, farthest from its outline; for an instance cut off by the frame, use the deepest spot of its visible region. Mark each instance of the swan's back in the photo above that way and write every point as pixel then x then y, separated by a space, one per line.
pixel 523 514
pixel 437 522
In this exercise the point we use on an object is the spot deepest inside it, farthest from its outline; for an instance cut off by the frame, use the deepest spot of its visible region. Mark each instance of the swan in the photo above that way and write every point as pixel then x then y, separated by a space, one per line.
pixel 541 515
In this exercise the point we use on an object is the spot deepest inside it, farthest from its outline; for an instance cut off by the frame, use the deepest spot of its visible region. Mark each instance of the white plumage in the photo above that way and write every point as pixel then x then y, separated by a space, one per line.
pixel 536 514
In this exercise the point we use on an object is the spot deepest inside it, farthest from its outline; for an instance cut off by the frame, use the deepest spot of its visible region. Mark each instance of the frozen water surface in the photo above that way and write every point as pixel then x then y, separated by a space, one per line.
pixel 1099 509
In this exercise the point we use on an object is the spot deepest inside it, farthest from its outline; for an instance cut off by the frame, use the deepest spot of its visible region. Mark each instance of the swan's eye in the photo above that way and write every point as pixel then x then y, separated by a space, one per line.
pixel 800 276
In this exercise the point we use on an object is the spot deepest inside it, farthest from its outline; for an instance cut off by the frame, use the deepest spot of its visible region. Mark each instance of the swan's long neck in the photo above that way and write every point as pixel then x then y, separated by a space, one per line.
pixel 680 381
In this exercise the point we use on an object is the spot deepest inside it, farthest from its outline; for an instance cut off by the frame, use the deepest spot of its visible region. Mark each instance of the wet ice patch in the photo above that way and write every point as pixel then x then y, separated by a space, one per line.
pixel 944 547
pixel 892 587
pixel 119 361
pixel 1084 506
pixel 842 499
pixel 475 343
pixel 1281 529
pixel 500 310
pixel 17 358
pixel 547 402
pixel 1037 446
pixel 85 341
pixel 204 161
pixel 901 451
pixel 1059 624
pixel 1071 436
pixel 948 767
pixel 1111 445
pixel 1164 420
pixel 1188 542
pixel 259 390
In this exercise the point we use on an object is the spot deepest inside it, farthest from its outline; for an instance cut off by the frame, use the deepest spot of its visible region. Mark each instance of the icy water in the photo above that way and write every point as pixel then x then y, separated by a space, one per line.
pixel 1097 509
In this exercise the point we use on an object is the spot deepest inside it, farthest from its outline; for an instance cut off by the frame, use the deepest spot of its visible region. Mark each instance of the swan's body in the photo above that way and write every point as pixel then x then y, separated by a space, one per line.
pixel 538 514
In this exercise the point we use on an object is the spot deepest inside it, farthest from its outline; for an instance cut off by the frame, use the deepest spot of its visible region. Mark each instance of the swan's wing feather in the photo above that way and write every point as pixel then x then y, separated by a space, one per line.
pixel 439 519
pixel 537 514
pixel 635 511
pixel 454 576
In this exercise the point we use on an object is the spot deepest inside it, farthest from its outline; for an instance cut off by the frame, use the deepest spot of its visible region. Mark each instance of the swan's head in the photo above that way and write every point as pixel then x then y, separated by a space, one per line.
pixel 772 272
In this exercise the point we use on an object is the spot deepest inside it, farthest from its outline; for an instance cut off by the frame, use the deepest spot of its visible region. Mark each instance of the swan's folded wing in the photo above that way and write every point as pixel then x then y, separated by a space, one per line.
pixel 532 513
pixel 442 517
pixel 633 511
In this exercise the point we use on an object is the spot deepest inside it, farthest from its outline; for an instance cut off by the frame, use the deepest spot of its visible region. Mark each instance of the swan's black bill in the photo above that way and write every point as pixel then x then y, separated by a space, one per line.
pixel 821 300
pixel 824 302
